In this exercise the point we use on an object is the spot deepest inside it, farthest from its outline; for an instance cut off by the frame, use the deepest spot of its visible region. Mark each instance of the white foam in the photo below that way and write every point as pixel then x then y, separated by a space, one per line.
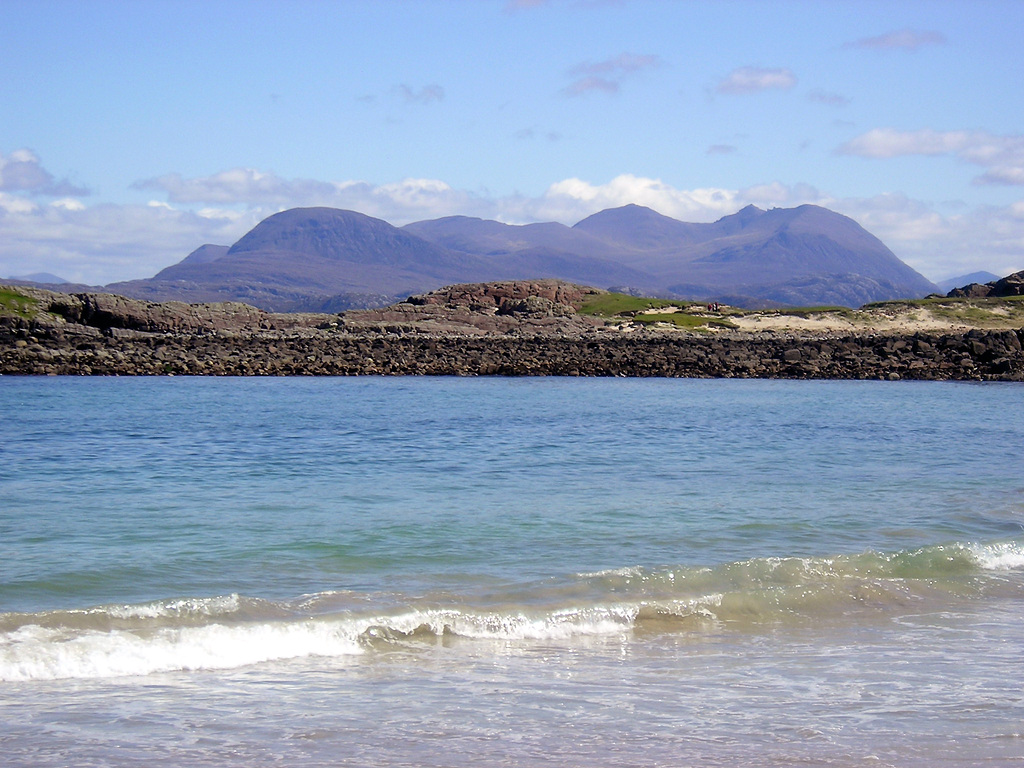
pixel 629 572
pixel 34 652
pixel 555 625
pixel 1006 556
pixel 37 653
pixel 206 606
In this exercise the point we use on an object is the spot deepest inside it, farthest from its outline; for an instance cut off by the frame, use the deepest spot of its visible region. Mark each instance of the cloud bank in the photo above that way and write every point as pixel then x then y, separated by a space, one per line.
pixel 1002 157
pixel 21 171
pixel 104 243
pixel 902 39
pixel 425 95
pixel 747 80
pixel 607 76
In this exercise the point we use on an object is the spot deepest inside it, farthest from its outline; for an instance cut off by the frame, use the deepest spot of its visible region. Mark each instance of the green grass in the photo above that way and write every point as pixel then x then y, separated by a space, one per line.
pixel 14 303
pixel 683 320
pixel 908 303
pixel 808 311
pixel 985 312
pixel 795 312
pixel 940 301
pixel 979 313
pixel 618 304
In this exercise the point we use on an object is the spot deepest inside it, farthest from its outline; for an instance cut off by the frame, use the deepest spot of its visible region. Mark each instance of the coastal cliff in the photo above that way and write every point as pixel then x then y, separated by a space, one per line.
pixel 512 328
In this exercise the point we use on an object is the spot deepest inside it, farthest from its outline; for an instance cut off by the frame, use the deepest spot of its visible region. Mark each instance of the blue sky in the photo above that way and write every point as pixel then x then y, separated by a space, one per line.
pixel 131 132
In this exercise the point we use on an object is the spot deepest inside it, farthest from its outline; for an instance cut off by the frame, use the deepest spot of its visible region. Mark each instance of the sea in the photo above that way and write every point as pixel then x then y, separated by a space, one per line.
pixel 525 572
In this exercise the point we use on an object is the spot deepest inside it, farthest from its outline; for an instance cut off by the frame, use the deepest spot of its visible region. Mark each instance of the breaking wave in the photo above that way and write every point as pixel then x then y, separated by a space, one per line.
pixel 234 631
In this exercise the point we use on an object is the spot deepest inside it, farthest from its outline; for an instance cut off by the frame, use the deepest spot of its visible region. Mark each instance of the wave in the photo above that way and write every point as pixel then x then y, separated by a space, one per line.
pixel 1003 556
pixel 233 631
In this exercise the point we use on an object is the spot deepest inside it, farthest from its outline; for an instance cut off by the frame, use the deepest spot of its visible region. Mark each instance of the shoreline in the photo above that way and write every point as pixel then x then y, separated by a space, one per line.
pixel 98 334
pixel 971 356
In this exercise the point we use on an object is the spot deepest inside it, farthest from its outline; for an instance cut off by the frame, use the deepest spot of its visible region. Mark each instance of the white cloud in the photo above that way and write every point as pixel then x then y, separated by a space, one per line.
pixel 425 95
pixel 574 199
pixel 69 204
pixel 1002 157
pixel 398 202
pixel 21 171
pixel 607 75
pixel 239 186
pixel 228 214
pixel 591 83
pixel 888 142
pixel 902 39
pixel 828 98
pixel 104 243
pixel 754 79
pixel 16 204
pixel 624 63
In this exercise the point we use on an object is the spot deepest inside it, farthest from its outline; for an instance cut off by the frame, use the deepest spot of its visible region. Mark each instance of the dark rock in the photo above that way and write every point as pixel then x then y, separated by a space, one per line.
pixel 792 355
pixel 1011 285
pixel 971 291
pixel 442 335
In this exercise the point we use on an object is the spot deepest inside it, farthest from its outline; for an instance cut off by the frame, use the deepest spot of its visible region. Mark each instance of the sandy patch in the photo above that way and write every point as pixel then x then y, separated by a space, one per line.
pixel 901 320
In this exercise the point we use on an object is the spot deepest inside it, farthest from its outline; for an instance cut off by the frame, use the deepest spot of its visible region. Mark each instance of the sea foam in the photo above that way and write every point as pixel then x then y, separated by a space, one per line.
pixel 38 653
pixel 1003 556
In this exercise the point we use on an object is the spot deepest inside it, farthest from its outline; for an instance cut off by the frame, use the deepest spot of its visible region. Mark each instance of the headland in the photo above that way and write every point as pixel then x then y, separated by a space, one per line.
pixel 514 328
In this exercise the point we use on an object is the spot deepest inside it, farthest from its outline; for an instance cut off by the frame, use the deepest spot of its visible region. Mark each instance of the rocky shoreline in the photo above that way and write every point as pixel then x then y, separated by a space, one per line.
pixel 523 330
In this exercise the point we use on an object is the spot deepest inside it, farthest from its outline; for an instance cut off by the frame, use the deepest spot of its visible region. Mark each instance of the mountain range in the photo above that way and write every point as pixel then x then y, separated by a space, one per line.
pixel 327 259
pixel 961 280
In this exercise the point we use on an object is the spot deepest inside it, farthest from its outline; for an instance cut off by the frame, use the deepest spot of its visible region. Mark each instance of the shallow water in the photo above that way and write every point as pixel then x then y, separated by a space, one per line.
pixel 511 572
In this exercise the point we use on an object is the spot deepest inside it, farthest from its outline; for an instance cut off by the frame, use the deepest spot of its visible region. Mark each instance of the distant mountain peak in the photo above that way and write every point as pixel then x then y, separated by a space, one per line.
pixel 43 278
pixel 630 212
pixel 323 231
pixel 637 227
pixel 309 258
pixel 204 254
pixel 980 278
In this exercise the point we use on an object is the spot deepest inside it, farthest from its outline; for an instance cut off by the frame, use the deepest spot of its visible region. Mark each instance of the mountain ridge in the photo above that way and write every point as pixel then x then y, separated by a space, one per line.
pixel 329 259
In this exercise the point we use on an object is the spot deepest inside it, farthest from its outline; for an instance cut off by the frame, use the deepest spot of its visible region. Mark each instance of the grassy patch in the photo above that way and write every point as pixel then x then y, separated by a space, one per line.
pixel 808 311
pixel 973 315
pixel 14 303
pixel 623 306
pixel 908 303
pixel 943 301
pixel 683 320
pixel 619 304
pixel 989 312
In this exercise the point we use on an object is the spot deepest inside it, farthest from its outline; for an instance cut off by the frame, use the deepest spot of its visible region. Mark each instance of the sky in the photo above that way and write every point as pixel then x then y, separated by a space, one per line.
pixel 134 131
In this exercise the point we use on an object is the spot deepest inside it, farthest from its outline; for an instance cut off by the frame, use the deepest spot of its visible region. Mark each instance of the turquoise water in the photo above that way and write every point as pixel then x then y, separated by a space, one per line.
pixel 432 571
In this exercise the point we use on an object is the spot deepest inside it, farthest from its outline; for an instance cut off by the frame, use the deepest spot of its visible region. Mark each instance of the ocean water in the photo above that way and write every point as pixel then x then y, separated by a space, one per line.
pixel 510 572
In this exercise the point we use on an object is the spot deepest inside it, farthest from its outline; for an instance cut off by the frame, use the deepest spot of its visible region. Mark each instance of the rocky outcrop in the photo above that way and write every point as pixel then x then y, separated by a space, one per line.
pixel 106 311
pixel 74 350
pixel 1011 285
pixel 514 329
pixel 521 306
pixel 327 259
pixel 478 296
